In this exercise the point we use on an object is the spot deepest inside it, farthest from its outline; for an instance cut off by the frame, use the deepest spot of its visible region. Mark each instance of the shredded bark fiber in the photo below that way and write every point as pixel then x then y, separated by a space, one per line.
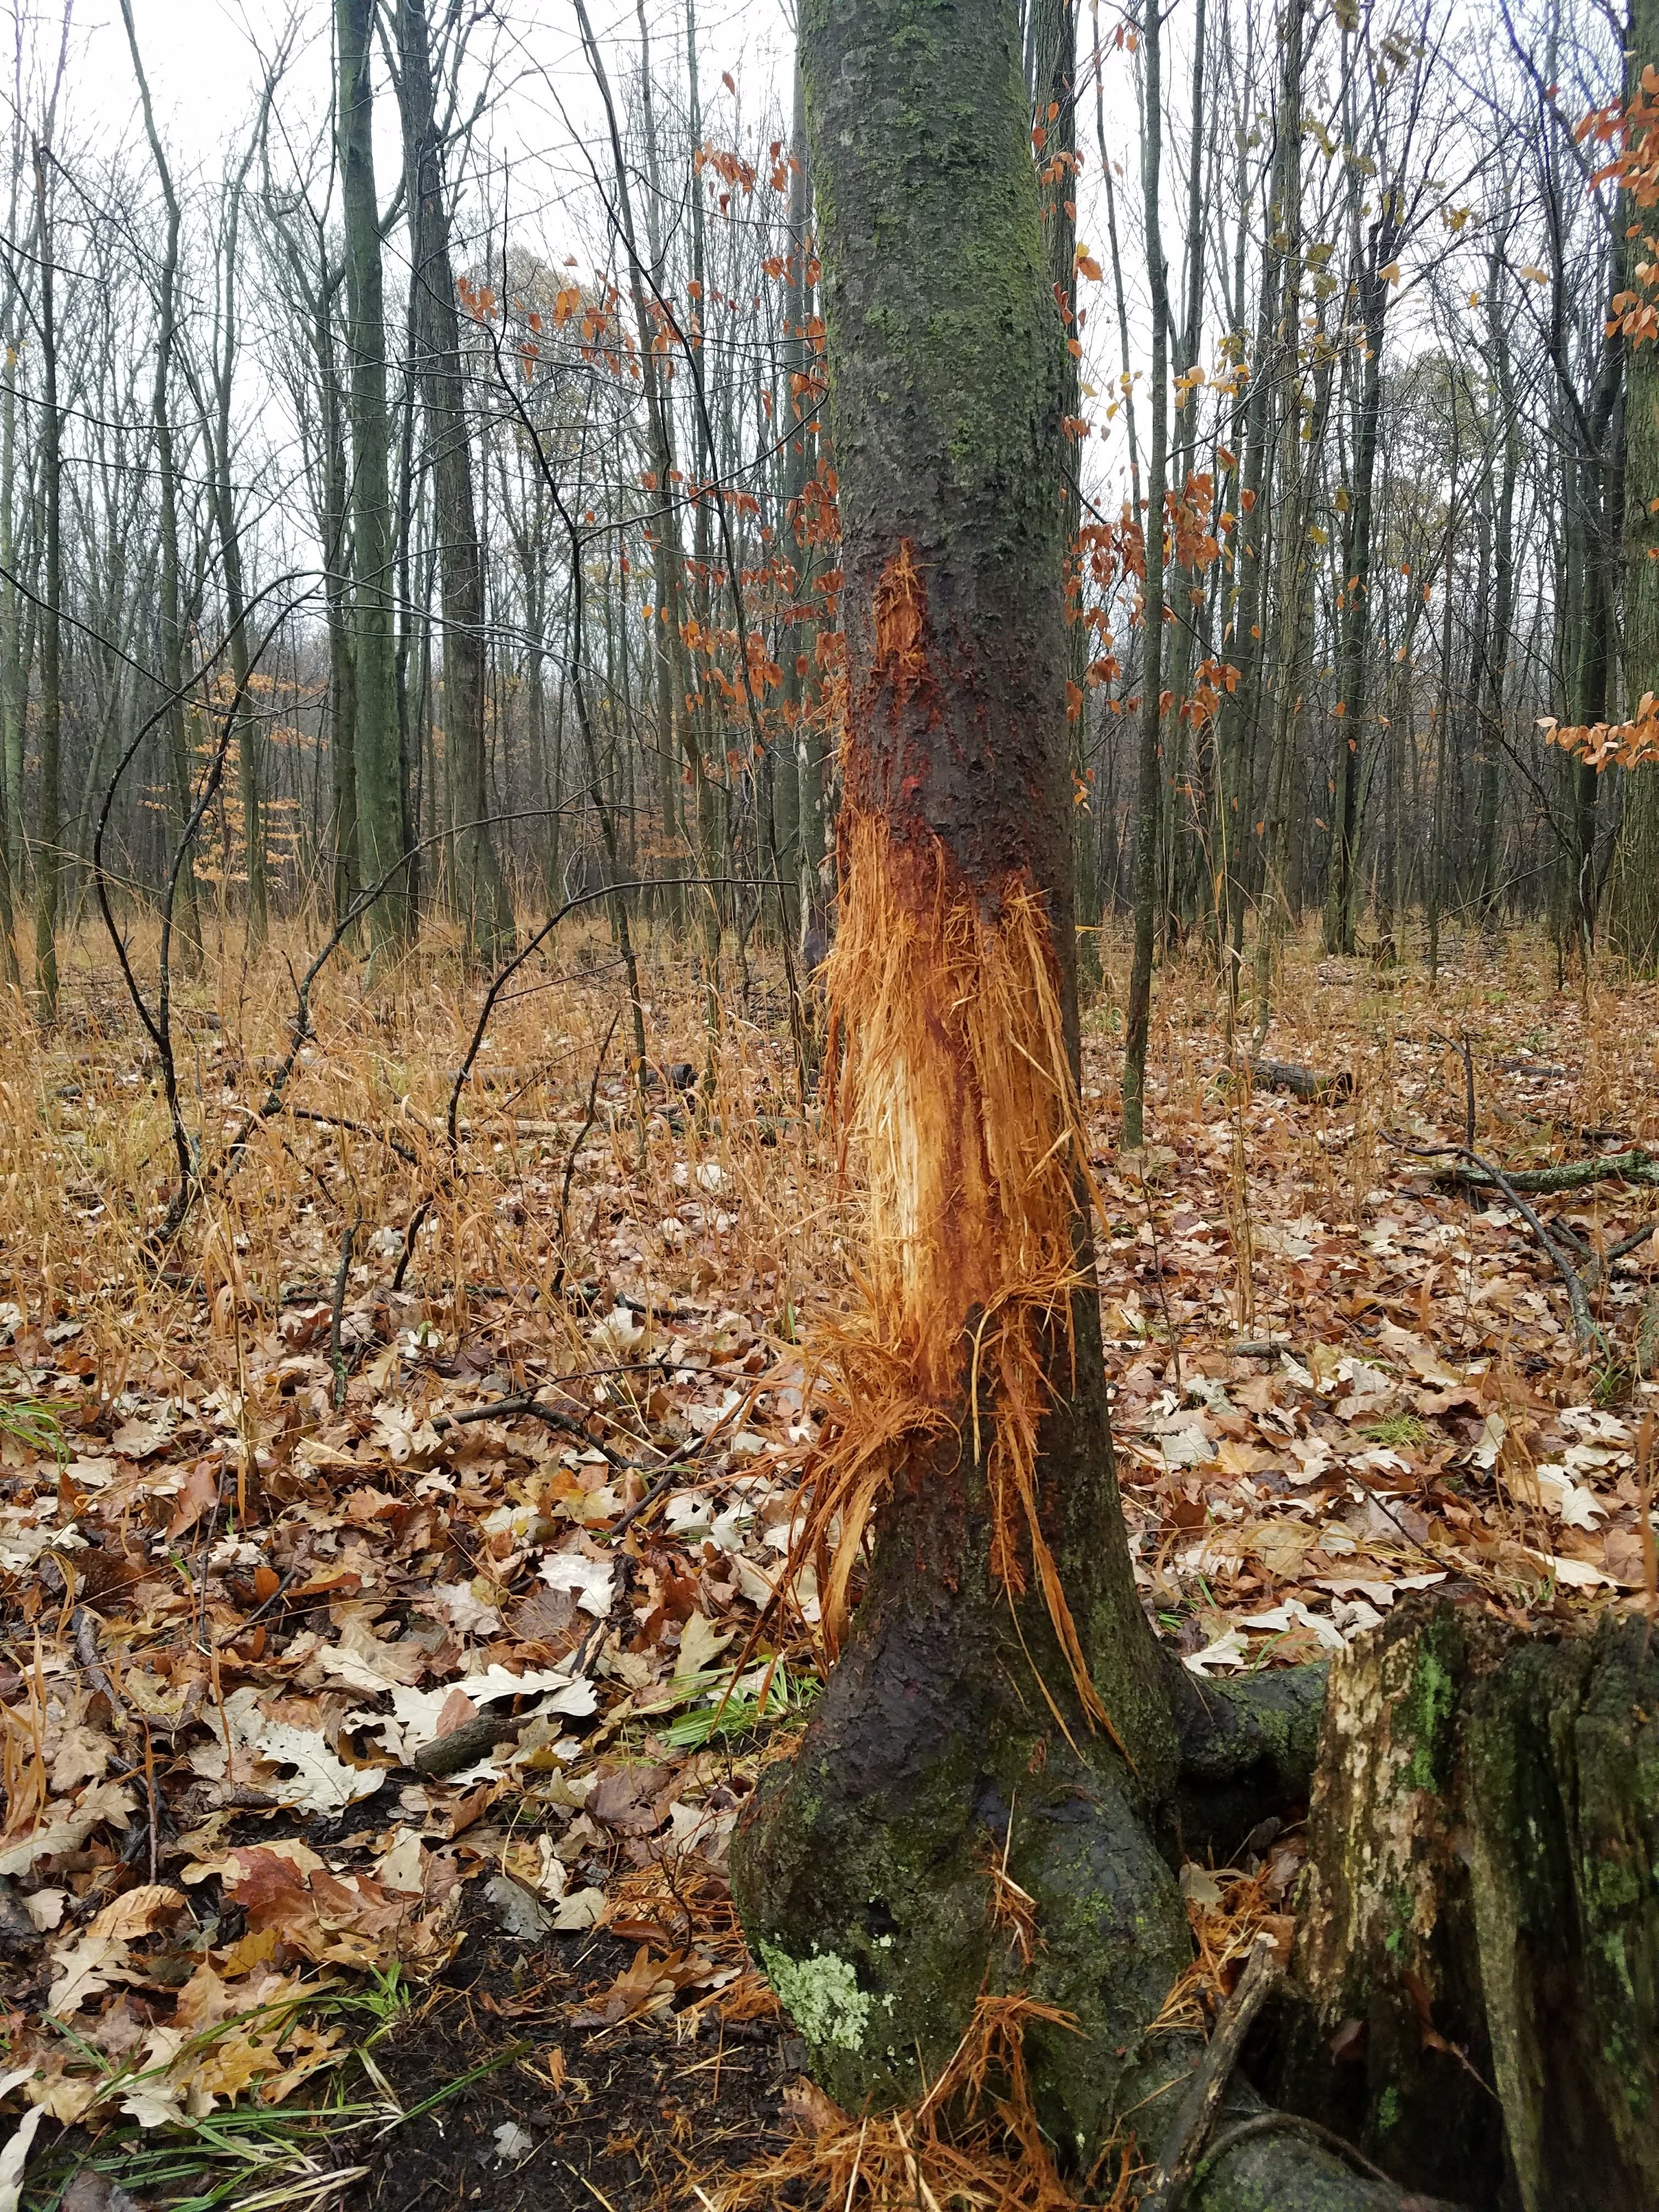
pixel 956 1090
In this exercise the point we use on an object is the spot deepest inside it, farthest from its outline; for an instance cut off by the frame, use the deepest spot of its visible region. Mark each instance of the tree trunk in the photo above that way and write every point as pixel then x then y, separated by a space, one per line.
pixel 1002 1698
pixel 862 1874
pixel 1636 883
pixel 230 554
pixel 1500 643
pixel 180 800
pixel 1000 1702
pixel 479 888
pixel 48 857
pixel 1303 360
pixel 347 867
pixel 377 758
pixel 1238 722
pixel 1138 1015
pixel 1355 654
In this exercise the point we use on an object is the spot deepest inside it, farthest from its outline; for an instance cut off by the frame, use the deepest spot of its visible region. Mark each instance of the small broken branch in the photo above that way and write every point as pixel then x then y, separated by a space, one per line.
pixel 465 1746
pixel 1189 2131
pixel 527 1405
pixel 475 1739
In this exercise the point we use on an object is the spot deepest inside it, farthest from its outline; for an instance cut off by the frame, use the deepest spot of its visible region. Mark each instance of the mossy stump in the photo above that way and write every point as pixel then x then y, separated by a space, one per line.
pixel 1476 1974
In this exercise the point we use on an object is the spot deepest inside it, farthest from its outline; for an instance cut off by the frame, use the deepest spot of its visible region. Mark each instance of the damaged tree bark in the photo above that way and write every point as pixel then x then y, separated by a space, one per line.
pixel 1005 1767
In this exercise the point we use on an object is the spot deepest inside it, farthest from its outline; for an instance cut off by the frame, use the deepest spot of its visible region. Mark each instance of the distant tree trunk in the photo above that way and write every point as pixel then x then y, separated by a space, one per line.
pixel 347 865
pixel 712 807
pixel 1238 724
pixel 1148 811
pixel 1380 247
pixel 12 685
pixel 380 769
pixel 667 646
pixel 11 698
pixel 1499 641
pixel 1635 919
pixel 1188 598
pixel 185 917
pixel 48 831
pixel 230 555
pixel 1295 363
pixel 479 887
pixel 686 718
pixel 800 457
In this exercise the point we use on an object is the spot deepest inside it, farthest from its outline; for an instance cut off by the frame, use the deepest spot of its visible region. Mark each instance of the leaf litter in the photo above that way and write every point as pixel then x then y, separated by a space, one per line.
pixel 247 1619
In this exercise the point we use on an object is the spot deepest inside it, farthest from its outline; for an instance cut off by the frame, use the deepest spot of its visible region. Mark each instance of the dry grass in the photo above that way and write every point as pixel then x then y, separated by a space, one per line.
pixel 726 1200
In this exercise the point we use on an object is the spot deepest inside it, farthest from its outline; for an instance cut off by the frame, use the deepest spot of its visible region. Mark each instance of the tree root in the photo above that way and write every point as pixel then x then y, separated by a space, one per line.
pixel 1272 2161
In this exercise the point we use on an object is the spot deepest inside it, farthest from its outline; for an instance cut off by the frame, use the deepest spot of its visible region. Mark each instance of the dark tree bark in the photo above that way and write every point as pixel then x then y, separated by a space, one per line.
pixel 972 1718
pixel 1382 243
pixel 48 867
pixel 479 888
pixel 376 755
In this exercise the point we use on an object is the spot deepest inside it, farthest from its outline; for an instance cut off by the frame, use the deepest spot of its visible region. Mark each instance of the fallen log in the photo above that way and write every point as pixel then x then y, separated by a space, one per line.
pixel 1300 1082
pixel 1638 1165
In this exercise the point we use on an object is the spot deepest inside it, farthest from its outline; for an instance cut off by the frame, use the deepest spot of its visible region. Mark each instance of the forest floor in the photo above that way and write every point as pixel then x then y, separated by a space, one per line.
pixel 264 1542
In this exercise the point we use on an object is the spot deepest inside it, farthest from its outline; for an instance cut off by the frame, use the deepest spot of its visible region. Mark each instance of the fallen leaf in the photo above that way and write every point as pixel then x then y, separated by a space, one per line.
pixel 593 1581
pixel 701 1645
pixel 14 2154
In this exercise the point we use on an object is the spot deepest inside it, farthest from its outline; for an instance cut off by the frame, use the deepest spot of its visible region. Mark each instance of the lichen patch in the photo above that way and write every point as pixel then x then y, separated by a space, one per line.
pixel 821 1994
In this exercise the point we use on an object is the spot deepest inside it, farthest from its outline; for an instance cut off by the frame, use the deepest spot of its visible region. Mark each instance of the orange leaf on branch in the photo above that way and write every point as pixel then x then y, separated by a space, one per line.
pixel 1601 745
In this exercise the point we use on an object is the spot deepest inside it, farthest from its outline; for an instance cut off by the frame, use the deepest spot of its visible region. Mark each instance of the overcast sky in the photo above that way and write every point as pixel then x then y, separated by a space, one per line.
pixel 203 59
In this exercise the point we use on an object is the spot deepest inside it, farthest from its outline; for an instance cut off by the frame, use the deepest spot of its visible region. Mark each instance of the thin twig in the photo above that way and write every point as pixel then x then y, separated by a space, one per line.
pixel 356 1128
pixel 336 1311
pixel 526 1405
